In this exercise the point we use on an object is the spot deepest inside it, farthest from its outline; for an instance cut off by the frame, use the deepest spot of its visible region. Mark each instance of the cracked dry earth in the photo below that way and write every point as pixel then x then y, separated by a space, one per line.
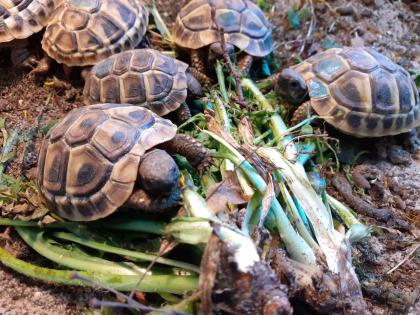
pixel 392 27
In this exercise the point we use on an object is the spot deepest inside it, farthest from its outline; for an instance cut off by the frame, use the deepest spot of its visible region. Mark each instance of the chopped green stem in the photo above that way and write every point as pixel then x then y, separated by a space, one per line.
pixel 152 283
pixel 343 212
pixel 294 212
pixel 160 24
pixel 124 252
pixel 252 214
pixel 277 124
pixel 221 80
pixel 70 258
pixel 298 249
pixel 145 226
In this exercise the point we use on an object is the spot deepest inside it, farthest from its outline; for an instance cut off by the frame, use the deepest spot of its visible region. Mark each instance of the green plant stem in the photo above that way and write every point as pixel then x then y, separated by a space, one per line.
pixel 158 283
pixel 145 226
pixel 72 259
pixel 343 212
pixel 124 252
pixel 221 81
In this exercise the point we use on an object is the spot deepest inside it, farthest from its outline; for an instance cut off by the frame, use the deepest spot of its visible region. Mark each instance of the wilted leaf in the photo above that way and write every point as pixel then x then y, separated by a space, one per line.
pixel 245 131
pixel 227 191
pixel 267 199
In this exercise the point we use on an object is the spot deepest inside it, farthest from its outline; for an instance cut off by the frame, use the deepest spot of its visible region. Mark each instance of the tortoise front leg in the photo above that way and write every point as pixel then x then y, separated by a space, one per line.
pixel 301 113
pixel 186 146
pixel 193 85
pixel 43 66
pixel 182 114
pixel 198 68
pixel 144 201
pixel 245 63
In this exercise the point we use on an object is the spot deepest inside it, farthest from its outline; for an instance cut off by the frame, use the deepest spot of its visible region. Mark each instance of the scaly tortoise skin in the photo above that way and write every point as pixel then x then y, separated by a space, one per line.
pixel 19 19
pixel 357 90
pixel 89 162
pixel 142 77
pixel 243 23
pixel 84 32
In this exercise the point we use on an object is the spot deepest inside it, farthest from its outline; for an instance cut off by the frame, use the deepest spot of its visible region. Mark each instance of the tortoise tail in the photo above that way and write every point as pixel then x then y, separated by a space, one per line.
pixel 186 146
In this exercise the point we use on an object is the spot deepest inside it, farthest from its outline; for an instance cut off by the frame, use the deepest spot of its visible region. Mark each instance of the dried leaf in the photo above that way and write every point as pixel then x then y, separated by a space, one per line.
pixel 267 199
pixel 245 132
pixel 227 191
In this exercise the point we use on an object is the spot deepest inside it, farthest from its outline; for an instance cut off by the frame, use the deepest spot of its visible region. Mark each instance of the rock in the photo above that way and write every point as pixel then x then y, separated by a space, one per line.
pixel 345 10
pixel 366 13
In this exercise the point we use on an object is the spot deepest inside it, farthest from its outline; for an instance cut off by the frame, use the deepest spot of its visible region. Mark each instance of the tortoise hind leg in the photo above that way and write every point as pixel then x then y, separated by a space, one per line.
pixel 245 63
pixel 182 114
pixel 186 146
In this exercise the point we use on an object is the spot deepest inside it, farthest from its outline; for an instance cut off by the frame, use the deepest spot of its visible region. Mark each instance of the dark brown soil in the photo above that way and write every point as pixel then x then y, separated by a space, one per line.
pixel 391 27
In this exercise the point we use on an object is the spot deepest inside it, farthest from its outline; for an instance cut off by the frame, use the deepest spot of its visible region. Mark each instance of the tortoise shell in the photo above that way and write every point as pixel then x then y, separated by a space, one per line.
pixel 361 92
pixel 19 19
pixel 84 32
pixel 88 162
pixel 243 23
pixel 143 77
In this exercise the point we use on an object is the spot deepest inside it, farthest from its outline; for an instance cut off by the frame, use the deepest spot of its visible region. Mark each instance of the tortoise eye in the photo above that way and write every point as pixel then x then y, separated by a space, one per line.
pixel 294 84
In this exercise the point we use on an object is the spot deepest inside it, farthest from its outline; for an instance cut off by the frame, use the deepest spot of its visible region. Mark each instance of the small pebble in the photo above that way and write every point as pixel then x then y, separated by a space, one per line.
pixel 345 10
pixel 415 7
pixel 359 180
pixel 368 2
pixel 399 202
pixel 366 13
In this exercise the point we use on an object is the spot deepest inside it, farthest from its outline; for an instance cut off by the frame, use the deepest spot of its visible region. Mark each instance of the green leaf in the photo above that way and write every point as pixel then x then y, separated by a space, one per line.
pixel 294 19
pixel 327 43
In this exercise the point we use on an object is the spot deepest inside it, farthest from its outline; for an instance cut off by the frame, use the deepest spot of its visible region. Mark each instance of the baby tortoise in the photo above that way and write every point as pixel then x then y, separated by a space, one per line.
pixel 84 32
pixel 243 24
pixel 19 19
pixel 357 90
pixel 103 157
pixel 143 77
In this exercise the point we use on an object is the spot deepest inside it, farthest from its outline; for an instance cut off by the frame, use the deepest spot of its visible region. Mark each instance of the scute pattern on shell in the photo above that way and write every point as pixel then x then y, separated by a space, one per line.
pixel 19 19
pixel 243 22
pixel 361 92
pixel 88 162
pixel 84 32
pixel 143 77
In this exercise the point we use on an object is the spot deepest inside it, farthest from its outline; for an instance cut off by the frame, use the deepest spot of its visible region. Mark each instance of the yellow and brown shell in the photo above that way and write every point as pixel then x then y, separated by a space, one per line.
pixel 19 19
pixel 143 77
pixel 88 162
pixel 84 32
pixel 361 92
pixel 243 23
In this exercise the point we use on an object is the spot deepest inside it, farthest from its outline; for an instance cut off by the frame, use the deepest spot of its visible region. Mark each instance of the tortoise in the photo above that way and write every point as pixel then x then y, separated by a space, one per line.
pixel 359 91
pixel 19 19
pixel 84 32
pixel 244 27
pixel 107 156
pixel 143 77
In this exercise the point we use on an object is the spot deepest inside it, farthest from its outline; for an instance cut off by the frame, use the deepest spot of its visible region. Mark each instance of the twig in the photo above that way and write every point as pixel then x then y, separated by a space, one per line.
pixel 131 303
pixel 229 64
pixel 404 260
pixel 310 29
pixel 152 263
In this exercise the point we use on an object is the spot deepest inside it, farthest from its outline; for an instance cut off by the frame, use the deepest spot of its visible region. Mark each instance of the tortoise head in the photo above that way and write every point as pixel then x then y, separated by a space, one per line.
pixel 291 87
pixel 158 173
pixel 216 51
